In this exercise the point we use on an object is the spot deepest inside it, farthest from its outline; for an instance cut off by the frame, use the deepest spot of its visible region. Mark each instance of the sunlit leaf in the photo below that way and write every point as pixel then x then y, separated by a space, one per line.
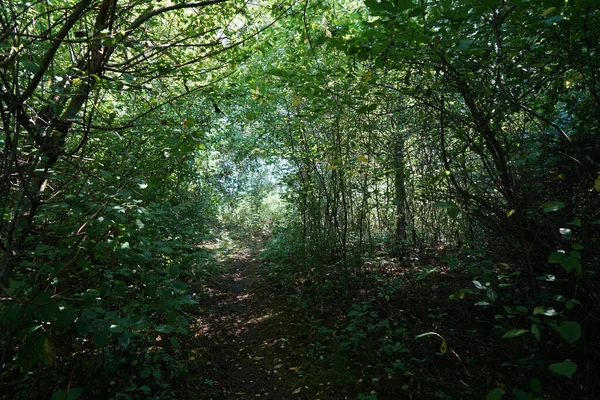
pixel 552 206
pixel 548 11
pixel 514 333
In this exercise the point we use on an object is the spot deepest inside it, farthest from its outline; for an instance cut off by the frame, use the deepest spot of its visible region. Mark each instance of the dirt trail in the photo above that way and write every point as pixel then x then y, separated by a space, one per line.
pixel 240 340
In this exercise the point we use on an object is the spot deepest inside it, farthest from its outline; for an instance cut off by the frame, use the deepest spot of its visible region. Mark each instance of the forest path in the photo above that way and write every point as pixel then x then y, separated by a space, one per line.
pixel 241 335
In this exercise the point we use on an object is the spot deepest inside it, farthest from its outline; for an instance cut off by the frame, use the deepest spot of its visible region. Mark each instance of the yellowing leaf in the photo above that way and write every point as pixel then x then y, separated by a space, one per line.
pixel 548 11
pixel 188 122
pixel 294 368
pixel 48 352
pixel 367 76
pixel 296 101
pixel 510 213
pixel 362 159
pixel 444 347
pixel 597 184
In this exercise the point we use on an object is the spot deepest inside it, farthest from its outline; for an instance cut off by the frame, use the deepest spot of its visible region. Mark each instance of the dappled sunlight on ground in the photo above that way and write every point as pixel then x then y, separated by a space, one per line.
pixel 239 344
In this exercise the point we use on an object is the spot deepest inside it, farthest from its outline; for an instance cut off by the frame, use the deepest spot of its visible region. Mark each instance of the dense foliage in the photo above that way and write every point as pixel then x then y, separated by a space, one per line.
pixel 395 151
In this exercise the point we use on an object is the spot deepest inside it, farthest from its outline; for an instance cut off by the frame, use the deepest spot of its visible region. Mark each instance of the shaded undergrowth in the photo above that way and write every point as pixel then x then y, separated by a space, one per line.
pixel 455 326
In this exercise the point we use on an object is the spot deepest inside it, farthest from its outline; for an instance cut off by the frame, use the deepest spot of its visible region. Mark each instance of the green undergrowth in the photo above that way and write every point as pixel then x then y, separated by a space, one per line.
pixel 460 326
pixel 115 333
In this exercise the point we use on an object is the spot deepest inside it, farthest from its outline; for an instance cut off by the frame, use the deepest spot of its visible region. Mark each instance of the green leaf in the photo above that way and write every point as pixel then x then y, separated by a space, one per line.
pixel 452 211
pixel 556 257
pixel 116 329
pixel 520 394
pixel 535 385
pixel 536 332
pixel 367 108
pixel 12 315
pixel 66 317
pixel 166 250
pixel 495 394
pixel 569 263
pixel 567 368
pixel 552 206
pixel 82 326
pixel 125 339
pixel 31 67
pixel 73 394
pixel 575 222
pixel 164 328
pixel 570 330
pixel 514 333
pixel 402 5
pixel 101 338
pixel 478 285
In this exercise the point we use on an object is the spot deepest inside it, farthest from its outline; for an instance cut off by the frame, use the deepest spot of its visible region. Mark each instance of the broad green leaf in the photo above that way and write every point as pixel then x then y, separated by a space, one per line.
pixel 552 206
pixel 514 333
pixel 567 368
pixel 570 330
pixel 452 211
pixel 165 328
pixel 495 394
pixel 556 257
pixel 66 317
pixel 31 67
pixel 575 222
pixel 101 338
pixel 569 263
pixel 82 326
pixel 520 394
pixel 125 339
pixel 12 315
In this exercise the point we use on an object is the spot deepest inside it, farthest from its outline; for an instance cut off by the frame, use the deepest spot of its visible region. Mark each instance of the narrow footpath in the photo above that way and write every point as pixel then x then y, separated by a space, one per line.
pixel 241 340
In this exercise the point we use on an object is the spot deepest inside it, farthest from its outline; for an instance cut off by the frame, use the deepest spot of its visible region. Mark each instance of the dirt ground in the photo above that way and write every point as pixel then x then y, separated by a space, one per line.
pixel 241 340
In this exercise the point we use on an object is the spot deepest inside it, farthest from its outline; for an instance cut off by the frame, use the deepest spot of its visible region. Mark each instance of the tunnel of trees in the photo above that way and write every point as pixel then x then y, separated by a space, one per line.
pixel 423 176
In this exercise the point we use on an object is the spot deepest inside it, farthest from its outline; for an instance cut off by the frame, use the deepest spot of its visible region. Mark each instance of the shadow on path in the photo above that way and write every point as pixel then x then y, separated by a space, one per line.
pixel 240 338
